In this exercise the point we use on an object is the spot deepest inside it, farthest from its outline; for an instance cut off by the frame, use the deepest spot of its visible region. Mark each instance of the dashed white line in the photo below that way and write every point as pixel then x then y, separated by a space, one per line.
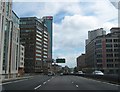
pixel 48 80
pixel 37 87
pixel 77 86
pixel 44 82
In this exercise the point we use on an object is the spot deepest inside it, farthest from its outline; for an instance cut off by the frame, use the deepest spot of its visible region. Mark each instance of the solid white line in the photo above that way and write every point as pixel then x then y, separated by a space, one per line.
pixel 77 86
pixel 44 82
pixel 14 81
pixel 101 81
pixel 37 87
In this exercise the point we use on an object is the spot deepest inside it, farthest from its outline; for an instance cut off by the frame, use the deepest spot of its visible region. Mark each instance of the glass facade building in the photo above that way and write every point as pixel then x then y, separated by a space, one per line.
pixel 48 22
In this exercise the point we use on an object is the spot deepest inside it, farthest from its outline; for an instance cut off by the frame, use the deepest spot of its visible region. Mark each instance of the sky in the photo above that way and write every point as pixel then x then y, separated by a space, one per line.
pixel 72 19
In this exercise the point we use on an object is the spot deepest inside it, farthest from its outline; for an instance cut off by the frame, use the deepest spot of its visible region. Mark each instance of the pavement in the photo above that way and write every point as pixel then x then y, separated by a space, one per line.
pixel 68 82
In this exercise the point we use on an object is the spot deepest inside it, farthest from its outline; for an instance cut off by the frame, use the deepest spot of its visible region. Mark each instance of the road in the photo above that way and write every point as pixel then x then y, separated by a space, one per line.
pixel 65 82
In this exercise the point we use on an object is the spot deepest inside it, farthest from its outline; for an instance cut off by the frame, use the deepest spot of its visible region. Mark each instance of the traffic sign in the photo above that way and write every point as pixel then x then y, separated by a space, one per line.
pixel 61 60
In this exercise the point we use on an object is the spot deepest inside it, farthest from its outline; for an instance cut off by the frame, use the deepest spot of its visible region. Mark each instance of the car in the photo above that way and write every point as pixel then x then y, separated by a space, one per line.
pixel 61 74
pixel 51 74
pixel 80 72
pixel 96 72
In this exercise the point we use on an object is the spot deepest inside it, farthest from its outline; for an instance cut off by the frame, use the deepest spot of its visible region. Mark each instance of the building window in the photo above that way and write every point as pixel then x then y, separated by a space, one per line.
pixel 38 43
pixel 109 65
pixel 99 60
pixel 116 45
pixel 116 55
pixel 38 47
pixel 99 46
pixel 108 40
pixel 98 41
pixel 109 60
pixel 116 40
pixel 109 55
pixel 38 51
pixel 39 36
pixel 38 58
pixel 38 55
pixel 38 39
pixel 99 55
pixel 108 45
pixel 109 50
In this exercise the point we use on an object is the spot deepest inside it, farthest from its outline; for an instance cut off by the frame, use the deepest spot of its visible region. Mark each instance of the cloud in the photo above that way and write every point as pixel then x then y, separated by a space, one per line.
pixel 72 23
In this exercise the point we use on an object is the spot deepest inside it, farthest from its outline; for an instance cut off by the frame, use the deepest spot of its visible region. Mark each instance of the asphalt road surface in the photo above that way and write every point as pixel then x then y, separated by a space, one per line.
pixel 67 82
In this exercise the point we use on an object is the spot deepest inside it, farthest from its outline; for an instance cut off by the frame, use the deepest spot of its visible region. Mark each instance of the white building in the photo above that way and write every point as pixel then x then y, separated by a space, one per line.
pixel 5 30
pixel 21 63
pixel 9 39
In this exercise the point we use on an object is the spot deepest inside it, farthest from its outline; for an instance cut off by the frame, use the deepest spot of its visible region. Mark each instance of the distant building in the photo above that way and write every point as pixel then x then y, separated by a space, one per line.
pixel 102 53
pixel 81 62
pixel 56 68
pixel 34 37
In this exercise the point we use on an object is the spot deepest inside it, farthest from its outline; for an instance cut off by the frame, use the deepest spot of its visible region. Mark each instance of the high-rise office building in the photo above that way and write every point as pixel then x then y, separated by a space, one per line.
pixel 47 20
pixel 34 37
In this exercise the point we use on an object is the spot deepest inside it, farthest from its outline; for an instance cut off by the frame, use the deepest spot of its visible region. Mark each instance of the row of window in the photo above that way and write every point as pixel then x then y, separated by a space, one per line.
pixel 39 36
pixel 38 39
pixel 108 60
pixel 38 55
pixel 39 32
pixel 109 65
pixel 107 55
pixel 108 40
pixel 107 45
pixel 38 58
pixel 38 51
pixel 108 50
pixel 38 43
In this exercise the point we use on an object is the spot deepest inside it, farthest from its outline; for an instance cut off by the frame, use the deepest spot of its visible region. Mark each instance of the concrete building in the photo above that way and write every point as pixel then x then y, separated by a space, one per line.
pixel 34 37
pixel 81 62
pixel 21 63
pixel 9 39
pixel 94 33
pixel 102 53
pixel 5 30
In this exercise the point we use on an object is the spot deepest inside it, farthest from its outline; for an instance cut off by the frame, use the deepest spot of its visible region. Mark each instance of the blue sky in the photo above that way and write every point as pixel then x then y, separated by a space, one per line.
pixel 72 21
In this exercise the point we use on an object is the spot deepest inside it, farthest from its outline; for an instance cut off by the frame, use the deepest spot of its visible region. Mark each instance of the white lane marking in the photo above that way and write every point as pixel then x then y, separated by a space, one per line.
pixel 102 82
pixel 77 86
pixel 37 87
pixel 48 80
pixel 52 77
pixel 13 81
pixel 72 82
pixel 44 82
